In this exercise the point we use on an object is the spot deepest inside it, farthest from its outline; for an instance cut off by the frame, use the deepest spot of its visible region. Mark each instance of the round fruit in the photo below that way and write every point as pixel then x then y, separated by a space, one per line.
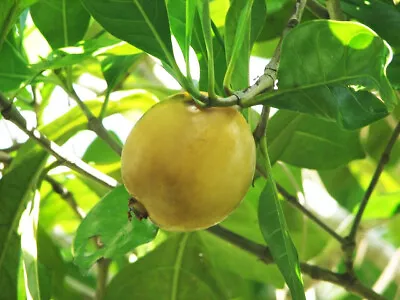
pixel 187 167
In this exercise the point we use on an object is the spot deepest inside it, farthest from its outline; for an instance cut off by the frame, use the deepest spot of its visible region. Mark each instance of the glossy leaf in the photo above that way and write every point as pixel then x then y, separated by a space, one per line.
pixel 382 16
pixel 343 186
pixel 114 68
pixel 244 219
pixel 276 233
pixel 62 22
pixel 142 23
pixel 28 231
pixel 9 12
pixel 24 172
pixel 278 13
pixel 60 59
pixel 181 17
pixel 243 23
pixel 13 66
pixel 15 188
pixel 203 7
pixel 108 221
pixel 329 69
pixel 313 140
pixel 180 268
pixel 393 72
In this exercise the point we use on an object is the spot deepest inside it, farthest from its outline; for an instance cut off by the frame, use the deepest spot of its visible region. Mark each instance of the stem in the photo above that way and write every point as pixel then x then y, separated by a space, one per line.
pixel 206 24
pixel 266 81
pixel 317 9
pixel 294 201
pixel 262 252
pixel 334 10
pixel 103 265
pixel 103 110
pixel 239 241
pixel 66 195
pixel 10 112
pixel 375 178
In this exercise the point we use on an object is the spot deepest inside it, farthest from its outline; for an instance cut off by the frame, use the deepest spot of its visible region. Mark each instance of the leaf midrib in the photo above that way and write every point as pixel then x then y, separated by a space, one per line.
pixel 177 266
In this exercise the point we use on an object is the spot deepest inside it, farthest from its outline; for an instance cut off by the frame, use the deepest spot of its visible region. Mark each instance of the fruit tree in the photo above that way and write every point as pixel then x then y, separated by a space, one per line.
pixel 199 149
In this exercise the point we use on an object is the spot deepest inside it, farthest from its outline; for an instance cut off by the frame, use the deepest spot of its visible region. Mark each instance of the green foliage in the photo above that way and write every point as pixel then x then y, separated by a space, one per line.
pixel 63 23
pixel 275 231
pixel 336 92
pixel 328 69
pixel 117 235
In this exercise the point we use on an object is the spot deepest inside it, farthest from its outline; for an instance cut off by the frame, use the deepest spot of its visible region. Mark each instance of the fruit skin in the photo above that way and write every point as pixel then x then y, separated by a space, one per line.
pixel 189 167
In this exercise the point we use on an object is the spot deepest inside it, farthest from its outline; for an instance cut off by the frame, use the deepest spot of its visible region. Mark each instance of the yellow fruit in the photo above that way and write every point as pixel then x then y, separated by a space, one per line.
pixel 188 167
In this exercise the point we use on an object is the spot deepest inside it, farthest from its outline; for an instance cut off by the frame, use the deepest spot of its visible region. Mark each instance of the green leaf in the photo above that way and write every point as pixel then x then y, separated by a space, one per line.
pixel 203 7
pixel 315 143
pixel 9 12
pixel 24 172
pixel 393 72
pixel 279 12
pixel 181 17
pixel 330 69
pixel 108 221
pixel 60 59
pixel 383 17
pixel 343 186
pixel 276 233
pixel 244 219
pixel 15 187
pixel 228 257
pixel 62 22
pixel 13 66
pixel 243 23
pixel 142 23
pixel 178 269
pixel 52 264
pixel 379 134
pixel 115 67
pixel 28 229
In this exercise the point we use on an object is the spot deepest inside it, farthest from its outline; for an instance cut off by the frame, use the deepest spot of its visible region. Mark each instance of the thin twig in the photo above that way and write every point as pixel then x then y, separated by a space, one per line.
pixel 375 178
pixel 294 201
pixel 5 158
pixel 10 112
pixel 262 252
pixel 12 148
pixel 267 80
pixel 66 195
pixel 334 10
pixel 94 123
pixel 103 265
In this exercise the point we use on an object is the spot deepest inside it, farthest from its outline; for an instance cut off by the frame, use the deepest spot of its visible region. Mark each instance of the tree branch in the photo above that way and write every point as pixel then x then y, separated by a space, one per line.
pixel 262 252
pixel 294 201
pixel 267 80
pixel 350 243
pixel 10 112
